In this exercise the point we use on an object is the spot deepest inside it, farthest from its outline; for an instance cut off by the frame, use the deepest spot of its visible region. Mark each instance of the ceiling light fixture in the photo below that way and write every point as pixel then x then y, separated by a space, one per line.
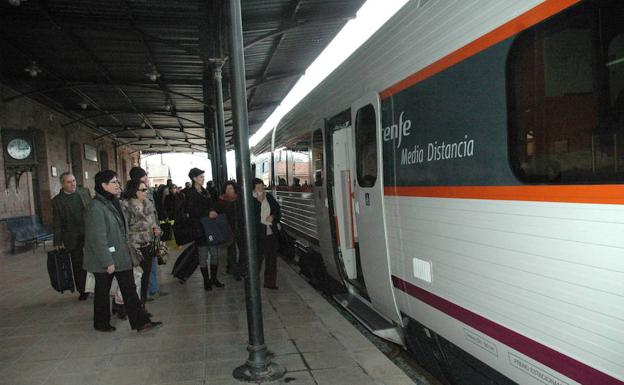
pixel 16 3
pixel 153 75
pixel 33 69
pixel 84 105
pixel 168 106
pixel 143 124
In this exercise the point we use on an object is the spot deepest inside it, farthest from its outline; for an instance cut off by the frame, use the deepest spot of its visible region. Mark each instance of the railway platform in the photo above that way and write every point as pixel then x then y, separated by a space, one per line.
pixel 48 338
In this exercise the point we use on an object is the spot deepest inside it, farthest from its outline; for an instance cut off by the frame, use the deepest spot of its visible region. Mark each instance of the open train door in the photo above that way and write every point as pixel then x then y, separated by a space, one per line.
pixel 359 211
pixel 369 206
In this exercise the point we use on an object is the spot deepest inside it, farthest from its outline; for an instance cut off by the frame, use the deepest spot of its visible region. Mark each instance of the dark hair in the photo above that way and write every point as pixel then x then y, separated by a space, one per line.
pixel 103 176
pixel 230 183
pixel 137 172
pixel 255 182
pixel 131 188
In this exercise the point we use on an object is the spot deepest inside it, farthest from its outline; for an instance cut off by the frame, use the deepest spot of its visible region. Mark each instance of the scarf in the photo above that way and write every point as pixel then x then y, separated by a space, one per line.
pixel 110 197
pixel 265 211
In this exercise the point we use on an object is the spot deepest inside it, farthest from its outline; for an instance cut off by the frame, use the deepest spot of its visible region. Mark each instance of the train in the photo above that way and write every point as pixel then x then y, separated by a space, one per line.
pixel 459 179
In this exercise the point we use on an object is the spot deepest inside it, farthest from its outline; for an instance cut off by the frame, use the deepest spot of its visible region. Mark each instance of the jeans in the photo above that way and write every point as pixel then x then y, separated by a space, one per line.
pixel 148 266
pixel 153 281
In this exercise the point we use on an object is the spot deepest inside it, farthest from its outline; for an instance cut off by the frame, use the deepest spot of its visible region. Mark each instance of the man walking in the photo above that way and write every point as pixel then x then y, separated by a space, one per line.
pixel 68 208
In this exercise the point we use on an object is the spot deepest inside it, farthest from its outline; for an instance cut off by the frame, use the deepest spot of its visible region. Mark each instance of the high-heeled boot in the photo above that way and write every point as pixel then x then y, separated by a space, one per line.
pixel 207 282
pixel 213 276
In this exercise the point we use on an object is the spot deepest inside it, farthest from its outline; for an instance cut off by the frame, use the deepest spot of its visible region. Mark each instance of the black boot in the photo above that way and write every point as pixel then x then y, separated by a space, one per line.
pixel 213 276
pixel 207 283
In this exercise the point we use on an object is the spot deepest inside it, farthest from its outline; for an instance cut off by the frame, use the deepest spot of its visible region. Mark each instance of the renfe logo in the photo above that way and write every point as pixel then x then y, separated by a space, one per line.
pixel 397 131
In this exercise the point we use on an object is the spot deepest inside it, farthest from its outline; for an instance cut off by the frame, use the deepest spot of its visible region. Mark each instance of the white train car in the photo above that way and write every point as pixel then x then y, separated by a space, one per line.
pixel 466 167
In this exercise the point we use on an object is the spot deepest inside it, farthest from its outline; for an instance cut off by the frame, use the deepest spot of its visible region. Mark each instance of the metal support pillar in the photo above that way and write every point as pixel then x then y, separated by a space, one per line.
pixel 216 153
pixel 218 82
pixel 258 367
pixel 209 116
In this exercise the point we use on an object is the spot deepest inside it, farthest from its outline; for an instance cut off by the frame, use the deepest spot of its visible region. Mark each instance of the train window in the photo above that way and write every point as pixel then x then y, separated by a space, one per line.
pixel 261 167
pixel 292 165
pixel 566 97
pixel 280 162
pixel 317 156
pixel 366 146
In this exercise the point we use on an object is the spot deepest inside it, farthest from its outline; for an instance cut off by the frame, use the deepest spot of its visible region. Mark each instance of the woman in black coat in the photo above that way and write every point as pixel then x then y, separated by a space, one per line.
pixel 198 205
pixel 268 215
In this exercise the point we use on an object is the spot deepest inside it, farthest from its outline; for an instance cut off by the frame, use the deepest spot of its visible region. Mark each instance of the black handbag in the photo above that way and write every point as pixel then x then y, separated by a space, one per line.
pixel 217 230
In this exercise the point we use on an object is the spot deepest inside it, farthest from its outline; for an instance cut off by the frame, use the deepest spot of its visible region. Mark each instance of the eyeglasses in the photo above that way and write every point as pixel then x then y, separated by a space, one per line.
pixel 114 181
pixel 142 190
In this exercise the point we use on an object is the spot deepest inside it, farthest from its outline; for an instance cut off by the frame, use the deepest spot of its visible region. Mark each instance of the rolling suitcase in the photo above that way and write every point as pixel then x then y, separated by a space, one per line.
pixel 60 270
pixel 186 263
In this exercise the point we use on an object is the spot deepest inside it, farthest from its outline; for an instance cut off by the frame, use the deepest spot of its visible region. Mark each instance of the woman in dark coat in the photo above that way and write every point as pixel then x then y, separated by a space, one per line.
pixel 198 205
pixel 230 205
pixel 107 254
pixel 268 215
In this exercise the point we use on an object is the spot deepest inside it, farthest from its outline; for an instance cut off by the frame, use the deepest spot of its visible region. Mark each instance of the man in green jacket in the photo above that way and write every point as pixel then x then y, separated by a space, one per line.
pixel 68 208
pixel 107 255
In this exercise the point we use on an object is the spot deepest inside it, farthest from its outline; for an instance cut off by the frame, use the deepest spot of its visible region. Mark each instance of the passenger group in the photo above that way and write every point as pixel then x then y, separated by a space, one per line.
pixel 114 238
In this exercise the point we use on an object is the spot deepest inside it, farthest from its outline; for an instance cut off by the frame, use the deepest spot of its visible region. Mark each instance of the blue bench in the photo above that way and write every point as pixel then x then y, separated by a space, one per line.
pixel 27 230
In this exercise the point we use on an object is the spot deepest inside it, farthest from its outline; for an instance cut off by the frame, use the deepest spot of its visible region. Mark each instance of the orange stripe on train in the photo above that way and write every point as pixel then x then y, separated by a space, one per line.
pixel 597 194
pixel 520 23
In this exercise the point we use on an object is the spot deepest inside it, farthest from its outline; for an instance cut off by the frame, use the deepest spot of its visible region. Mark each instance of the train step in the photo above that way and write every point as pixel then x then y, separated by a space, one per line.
pixel 372 320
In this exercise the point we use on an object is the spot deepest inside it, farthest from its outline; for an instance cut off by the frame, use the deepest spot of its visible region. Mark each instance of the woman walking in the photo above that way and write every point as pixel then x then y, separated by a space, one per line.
pixel 268 215
pixel 143 228
pixel 107 255
pixel 198 204
pixel 229 205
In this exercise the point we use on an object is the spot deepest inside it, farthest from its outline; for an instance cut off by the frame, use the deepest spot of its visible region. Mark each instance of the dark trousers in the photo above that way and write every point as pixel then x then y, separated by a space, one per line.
pixel 234 257
pixel 80 274
pixel 268 253
pixel 146 265
pixel 101 302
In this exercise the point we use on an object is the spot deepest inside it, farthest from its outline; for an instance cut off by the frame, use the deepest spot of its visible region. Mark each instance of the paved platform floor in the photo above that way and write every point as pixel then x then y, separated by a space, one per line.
pixel 48 338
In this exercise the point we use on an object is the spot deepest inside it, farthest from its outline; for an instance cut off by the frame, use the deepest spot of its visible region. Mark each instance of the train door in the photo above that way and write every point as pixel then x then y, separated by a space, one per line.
pixel 321 202
pixel 345 228
pixel 368 205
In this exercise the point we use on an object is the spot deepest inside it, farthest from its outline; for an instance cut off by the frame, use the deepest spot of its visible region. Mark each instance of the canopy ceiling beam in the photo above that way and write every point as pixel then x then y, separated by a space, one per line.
pixel 134 112
pixel 43 5
pixel 130 129
pixel 69 85
pixel 32 57
pixel 294 8
pixel 293 25
pixel 161 83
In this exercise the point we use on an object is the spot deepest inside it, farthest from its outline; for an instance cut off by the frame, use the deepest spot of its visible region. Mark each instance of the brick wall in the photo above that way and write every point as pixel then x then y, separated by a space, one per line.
pixel 52 145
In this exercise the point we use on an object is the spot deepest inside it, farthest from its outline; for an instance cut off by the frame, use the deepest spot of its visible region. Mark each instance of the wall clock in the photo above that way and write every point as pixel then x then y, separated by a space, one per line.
pixel 19 149
pixel 19 153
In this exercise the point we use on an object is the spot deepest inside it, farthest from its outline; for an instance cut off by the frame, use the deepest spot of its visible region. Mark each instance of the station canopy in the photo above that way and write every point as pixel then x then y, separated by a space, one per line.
pixel 141 71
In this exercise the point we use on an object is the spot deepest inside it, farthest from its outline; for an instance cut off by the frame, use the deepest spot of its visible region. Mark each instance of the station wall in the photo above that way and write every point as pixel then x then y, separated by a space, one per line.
pixel 58 146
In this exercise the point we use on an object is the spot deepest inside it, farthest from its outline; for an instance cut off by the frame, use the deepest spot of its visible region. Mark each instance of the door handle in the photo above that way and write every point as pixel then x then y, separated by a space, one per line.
pixel 357 207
